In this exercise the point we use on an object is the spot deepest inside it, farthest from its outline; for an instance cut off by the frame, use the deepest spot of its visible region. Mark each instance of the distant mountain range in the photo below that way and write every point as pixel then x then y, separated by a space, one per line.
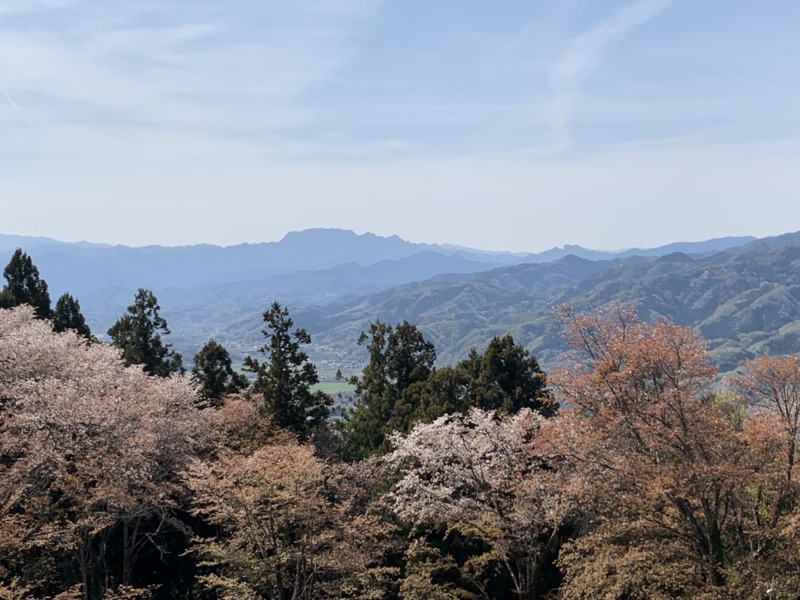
pixel 743 294
pixel 86 268
pixel 743 301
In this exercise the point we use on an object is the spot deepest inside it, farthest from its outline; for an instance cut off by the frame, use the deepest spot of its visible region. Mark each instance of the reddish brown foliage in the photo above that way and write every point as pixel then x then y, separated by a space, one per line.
pixel 670 475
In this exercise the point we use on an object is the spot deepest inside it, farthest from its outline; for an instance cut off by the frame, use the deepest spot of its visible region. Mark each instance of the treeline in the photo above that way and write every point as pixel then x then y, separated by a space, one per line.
pixel 122 477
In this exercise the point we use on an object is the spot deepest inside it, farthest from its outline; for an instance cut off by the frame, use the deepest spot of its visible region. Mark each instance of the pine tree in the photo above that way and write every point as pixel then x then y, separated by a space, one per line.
pixel 214 374
pixel 284 380
pixel 399 359
pixel 138 334
pixel 24 285
pixel 506 378
pixel 399 387
pixel 67 315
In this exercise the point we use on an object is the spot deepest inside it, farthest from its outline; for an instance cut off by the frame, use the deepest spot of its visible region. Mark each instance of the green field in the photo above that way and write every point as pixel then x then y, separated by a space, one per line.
pixel 334 387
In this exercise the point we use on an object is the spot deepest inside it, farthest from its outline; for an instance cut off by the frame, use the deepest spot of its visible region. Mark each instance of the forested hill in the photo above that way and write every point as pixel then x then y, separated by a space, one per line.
pixel 742 301
pixel 741 294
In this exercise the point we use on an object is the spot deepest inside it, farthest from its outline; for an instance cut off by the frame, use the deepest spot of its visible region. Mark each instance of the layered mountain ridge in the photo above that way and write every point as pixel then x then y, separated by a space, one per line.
pixel 742 294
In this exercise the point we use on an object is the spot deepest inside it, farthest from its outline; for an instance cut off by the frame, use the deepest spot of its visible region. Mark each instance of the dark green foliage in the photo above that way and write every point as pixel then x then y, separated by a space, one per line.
pixel 24 286
pixel 399 357
pixel 399 387
pixel 138 334
pixel 446 391
pixel 214 375
pixel 284 380
pixel 67 315
pixel 504 378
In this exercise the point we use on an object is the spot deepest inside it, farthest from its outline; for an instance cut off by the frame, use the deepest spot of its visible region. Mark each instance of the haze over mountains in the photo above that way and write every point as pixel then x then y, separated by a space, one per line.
pixel 743 294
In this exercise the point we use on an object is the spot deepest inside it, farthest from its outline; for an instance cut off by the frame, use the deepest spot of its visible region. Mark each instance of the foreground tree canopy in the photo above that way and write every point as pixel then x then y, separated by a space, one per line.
pixel 90 453
pixel 651 481
pixel 685 492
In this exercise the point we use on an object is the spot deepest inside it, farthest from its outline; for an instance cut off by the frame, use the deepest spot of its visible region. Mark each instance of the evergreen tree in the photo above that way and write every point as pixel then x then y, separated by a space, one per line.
pixel 67 315
pixel 507 379
pixel 284 380
pixel 444 392
pixel 213 373
pixel 399 358
pixel 399 387
pixel 24 285
pixel 138 333
pixel 410 357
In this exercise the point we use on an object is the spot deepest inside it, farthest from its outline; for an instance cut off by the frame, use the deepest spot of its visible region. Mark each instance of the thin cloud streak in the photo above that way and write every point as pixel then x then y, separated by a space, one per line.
pixel 16 107
pixel 235 80
pixel 127 70
pixel 12 7
pixel 581 56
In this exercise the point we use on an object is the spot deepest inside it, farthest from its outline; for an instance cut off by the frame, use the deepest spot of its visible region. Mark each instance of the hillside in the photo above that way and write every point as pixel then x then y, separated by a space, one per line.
pixel 743 301
pixel 742 295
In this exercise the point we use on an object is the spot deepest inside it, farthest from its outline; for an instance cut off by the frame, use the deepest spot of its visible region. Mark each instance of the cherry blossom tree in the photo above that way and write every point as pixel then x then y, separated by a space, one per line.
pixel 772 384
pixel 289 526
pixel 482 475
pixel 90 452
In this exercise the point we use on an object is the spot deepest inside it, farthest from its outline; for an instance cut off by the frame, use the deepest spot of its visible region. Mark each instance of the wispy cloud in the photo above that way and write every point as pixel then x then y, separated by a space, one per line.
pixel 582 55
pixel 14 104
pixel 8 7
pixel 190 70
pixel 337 112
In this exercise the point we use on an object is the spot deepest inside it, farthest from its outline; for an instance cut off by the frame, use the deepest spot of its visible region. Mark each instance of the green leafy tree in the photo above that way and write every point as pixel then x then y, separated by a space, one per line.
pixel 24 285
pixel 285 378
pixel 138 334
pixel 214 374
pixel 67 315
pixel 505 378
pixel 399 357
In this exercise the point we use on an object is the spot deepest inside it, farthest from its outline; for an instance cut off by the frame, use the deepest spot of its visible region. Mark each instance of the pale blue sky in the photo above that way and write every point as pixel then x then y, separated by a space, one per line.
pixel 501 125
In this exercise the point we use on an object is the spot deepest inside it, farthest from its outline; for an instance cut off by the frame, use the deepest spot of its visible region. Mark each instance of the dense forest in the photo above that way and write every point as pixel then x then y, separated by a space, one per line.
pixel 631 472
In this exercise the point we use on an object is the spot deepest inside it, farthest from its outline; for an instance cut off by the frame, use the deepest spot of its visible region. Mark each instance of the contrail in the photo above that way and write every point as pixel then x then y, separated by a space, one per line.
pixel 16 108
pixel 582 55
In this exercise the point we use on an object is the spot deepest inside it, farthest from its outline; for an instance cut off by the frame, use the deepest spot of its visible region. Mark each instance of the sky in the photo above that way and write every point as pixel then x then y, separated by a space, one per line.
pixel 515 125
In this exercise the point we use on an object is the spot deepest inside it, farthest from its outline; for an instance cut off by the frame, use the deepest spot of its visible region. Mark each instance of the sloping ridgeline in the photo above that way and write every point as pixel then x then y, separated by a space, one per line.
pixel 743 301
pixel 742 296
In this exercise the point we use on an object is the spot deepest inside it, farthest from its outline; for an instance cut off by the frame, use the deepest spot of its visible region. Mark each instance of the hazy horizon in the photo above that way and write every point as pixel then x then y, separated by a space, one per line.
pixel 363 233
pixel 621 124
